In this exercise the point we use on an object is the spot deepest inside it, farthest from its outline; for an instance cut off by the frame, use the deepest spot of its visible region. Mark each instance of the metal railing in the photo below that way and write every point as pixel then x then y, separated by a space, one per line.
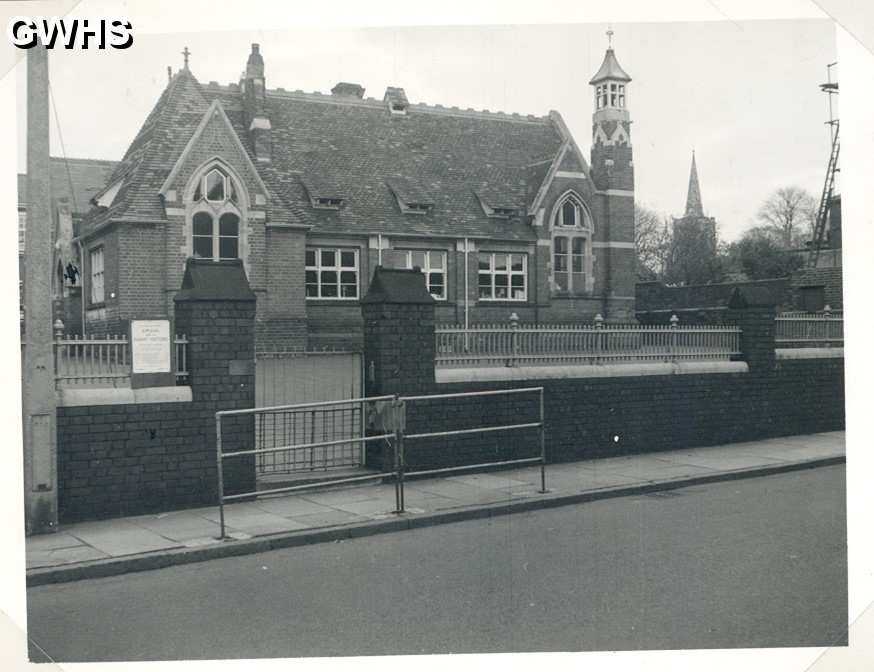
pixel 285 426
pixel 515 344
pixel 388 414
pixel 94 361
pixel 378 404
pixel 486 429
pixel 809 330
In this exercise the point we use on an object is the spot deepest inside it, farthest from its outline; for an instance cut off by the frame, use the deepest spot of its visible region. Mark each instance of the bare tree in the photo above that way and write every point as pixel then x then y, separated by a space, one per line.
pixel 652 240
pixel 788 216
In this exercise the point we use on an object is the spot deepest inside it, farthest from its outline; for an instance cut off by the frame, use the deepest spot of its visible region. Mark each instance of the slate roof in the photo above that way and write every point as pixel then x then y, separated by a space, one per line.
pixel 355 147
pixel 610 69
pixel 88 176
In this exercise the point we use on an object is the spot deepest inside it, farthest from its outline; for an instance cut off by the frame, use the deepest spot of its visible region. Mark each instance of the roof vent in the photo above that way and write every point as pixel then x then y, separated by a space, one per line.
pixel 348 89
pixel 396 100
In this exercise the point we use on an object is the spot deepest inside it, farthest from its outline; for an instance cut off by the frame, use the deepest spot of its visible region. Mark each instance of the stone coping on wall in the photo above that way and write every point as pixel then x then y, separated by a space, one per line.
pixel 105 396
pixel 809 353
pixel 498 373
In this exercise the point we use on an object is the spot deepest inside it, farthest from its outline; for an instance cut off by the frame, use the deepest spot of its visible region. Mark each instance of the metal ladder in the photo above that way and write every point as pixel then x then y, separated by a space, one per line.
pixel 825 202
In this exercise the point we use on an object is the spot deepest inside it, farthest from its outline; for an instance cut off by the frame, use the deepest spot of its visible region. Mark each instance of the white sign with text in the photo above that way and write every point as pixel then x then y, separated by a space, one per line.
pixel 150 346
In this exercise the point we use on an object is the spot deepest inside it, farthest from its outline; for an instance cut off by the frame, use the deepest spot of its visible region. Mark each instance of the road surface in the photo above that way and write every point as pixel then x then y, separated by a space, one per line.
pixel 749 563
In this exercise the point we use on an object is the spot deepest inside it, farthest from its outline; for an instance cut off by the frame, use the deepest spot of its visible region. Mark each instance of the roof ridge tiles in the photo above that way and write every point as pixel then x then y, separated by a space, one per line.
pixel 436 108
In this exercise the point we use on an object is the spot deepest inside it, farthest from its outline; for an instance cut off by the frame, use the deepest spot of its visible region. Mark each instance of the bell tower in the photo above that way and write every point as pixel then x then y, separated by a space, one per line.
pixel 612 166
pixel 612 172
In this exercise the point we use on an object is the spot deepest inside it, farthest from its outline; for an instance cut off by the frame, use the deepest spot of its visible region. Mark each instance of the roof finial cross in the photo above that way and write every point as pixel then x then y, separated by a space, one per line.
pixel 609 35
pixel 186 54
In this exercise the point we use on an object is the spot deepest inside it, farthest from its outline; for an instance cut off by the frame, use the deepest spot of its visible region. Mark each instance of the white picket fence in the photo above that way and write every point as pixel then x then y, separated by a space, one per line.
pixel 516 344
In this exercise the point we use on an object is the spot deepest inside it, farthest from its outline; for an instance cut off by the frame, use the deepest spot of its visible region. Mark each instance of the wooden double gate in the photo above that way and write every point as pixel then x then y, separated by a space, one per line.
pixel 283 379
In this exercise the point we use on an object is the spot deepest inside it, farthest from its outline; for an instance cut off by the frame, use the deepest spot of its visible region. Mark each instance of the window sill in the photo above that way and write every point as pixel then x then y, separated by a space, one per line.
pixel 324 301
pixel 501 302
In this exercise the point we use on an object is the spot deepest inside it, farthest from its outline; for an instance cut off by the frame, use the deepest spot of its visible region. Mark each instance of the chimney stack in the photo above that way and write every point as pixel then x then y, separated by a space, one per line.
pixel 348 89
pixel 254 93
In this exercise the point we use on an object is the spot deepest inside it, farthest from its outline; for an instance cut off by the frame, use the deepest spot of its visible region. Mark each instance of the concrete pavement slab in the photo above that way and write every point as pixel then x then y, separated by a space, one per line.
pixel 722 461
pixel 242 520
pixel 331 497
pixel 653 472
pixel 367 507
pixel 120 537
pixel 492 481
pixel 328 519
pixel 177 527
pixel 62 556
pixel 291 506
pixel 50 542
pixel 268 527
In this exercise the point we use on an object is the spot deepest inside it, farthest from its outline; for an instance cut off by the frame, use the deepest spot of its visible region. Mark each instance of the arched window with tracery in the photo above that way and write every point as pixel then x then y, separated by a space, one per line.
pixel 216 215
pixel 571 246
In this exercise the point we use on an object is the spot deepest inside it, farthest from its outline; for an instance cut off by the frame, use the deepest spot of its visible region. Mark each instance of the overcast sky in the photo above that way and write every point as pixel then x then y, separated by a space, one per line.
pixel 744 95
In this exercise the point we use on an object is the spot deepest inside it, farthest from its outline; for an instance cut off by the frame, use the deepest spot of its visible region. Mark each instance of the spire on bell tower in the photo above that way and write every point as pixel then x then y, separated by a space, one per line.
pixel 611 124
pixel 694 208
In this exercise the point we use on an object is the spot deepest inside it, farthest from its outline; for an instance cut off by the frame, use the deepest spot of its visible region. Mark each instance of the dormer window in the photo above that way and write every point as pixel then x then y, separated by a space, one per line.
pixel 328 203
pixel 396 100
pixel 411 198
pixel 489 198
pixel 105 199
pixel 324 193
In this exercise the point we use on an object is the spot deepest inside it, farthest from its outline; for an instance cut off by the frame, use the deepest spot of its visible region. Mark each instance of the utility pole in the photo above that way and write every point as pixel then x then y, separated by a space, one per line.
pixel 38 394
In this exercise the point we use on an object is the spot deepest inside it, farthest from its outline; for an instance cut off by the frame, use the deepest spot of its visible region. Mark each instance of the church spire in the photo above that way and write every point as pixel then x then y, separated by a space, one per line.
pixel 693 198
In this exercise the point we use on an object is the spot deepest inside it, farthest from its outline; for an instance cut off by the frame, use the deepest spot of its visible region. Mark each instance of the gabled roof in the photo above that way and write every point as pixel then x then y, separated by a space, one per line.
pixel 152 153
pixel 88 177
pixel 356 148
pixel 610 69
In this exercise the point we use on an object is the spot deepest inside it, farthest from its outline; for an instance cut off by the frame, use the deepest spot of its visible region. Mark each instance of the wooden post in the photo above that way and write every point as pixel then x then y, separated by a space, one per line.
pixel 38 394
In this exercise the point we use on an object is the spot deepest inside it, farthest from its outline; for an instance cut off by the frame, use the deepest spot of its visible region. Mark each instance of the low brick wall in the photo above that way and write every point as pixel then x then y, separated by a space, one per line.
pixel 598 417
pixel 126 459
pixel 595 416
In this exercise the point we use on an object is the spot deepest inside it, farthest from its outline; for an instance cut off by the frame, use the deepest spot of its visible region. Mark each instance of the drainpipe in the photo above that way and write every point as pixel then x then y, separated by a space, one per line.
pixel 466 295
pixel 379 249
pixel 81 281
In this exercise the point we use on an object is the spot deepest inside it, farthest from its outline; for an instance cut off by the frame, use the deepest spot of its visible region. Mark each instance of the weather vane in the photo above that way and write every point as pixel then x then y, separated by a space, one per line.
pixel 610 35
pixel 186 54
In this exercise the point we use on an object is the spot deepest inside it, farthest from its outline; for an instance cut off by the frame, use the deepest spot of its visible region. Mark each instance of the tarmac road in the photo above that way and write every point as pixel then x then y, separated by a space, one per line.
pixel 749 563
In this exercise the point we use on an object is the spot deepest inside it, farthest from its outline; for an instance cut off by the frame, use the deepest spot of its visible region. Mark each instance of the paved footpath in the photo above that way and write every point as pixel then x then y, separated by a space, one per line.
pixel 120 545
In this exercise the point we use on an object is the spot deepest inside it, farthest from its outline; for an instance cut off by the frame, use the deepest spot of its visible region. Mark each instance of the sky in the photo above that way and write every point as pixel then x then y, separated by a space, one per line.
pixel 744 95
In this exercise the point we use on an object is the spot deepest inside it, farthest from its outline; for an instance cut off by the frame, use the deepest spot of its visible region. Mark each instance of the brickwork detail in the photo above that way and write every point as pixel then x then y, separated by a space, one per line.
pixel 132 459
pixel 596 417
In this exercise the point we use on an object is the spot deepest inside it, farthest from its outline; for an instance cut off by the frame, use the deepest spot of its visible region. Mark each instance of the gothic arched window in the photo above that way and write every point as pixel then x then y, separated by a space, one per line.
pixel 216 215
pixel 571 246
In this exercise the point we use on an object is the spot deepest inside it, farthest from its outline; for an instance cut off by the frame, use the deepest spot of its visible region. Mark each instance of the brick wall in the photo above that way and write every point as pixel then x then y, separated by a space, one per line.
pixel 830 279
pixel 127 459
pixel 605 416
